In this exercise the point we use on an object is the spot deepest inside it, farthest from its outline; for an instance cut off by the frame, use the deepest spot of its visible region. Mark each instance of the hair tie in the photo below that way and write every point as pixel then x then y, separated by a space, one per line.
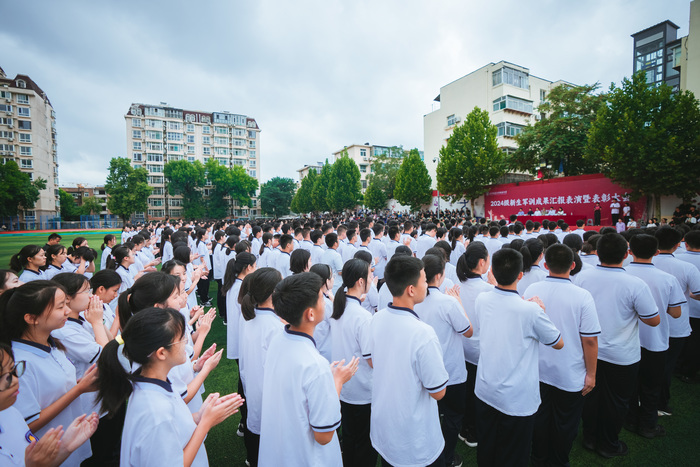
pixel 119 339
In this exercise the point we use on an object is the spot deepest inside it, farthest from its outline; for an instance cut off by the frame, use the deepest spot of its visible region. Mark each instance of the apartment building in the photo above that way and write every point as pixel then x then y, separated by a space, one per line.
pixel 508 91
pixel 28 136
pixel 156 134
pixel 304 171
pixel 363 154
pixel 80 192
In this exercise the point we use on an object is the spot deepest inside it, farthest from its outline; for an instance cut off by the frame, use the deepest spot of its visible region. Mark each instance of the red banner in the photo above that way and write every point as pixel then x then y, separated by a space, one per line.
pixel 576 195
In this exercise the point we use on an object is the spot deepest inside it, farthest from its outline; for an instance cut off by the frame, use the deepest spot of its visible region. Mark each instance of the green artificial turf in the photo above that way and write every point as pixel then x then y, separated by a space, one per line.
pixel 224 448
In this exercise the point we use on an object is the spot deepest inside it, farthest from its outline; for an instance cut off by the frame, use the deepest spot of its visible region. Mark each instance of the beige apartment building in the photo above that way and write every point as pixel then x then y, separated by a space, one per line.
pixel 508 91
pixel 80 192
pixel 156 134
pixel 28 136
pixel 304 171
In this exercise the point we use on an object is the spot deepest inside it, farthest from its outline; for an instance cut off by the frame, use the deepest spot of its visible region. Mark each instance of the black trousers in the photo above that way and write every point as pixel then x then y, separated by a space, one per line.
pixel 606 405
pixel 615 218
pixel 203 290
pixel 596 217
pixel 690 359
pixel 357 447
pixel 645 400
pixel 503 439
pixel 252 446
pixel 451 408
pixel 556 426
pixel 243 410
pixel 469 420
pixel 221 299
pixel 675 349
pixel 106 441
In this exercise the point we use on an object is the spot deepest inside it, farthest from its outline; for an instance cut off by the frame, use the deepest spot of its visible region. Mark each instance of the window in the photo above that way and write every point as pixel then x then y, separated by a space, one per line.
pixel 190 139
pixel 6 121
pixel 206 129
pixel 21 84
pixel 7 147
pixel 29 215
pixel 22 99
pixel 206 151
pixel 364 184
pixel 251 144
pixel 174 136
pixel 221 141
pixel 363 168
pixel 206 139
pixel 190 149
pixel 174 113
pixel 138 157
pixel 176 157
pixel 152 134
pixel 24 125
pixel 136 134
pixel 154 112
pixel 25 150
pixel 150 123
pixel 221 130
pixel 507 75
pixel 136 122
pixel 174 126
pixel 157 191
pixel 154 169
pixel 155 201
pixel 25 137
pixel 251 163
pixel 190 128
pixel 508 129
pixel 174 148
pixel 252 173
pixel 151 146
pixel 5 108
pixel 451 120
pixel 238 132
pixel 251 134
pixel 238 162
pixel 252 154
pixel 175 202
pixel 23 111
pixel 5 95
pixel 155 157
pixel 514 103
pixel 26 164
pixel 239 142
pixel 6 134
pixel 190 158
pixel 136 145
pixel 156 213
pixel 543 95
pixel 239 152
pixel 221 151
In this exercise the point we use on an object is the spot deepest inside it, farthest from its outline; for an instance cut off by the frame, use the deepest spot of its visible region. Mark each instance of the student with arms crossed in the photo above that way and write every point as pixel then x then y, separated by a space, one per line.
pixel 569 374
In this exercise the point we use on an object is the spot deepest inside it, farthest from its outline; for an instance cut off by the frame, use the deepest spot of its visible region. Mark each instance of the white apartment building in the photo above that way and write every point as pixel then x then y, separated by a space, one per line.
pixel 363 154
pixel 28 136
pixel 304 171
pixel 156 134
pixel 508 91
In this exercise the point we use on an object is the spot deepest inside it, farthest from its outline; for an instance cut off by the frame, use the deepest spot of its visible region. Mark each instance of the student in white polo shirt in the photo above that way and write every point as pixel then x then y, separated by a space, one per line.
pixel 621 301
pixel 18 445
pixel 533 252
pixel 408 372
pixel 317 247
pixel 426 240
pixel 567 375
pixel 507 387
pixel 31 260
pixel 444 313
pixel 332 258
pixel 350 247
pixel 49 392
pixel 159 429
pixel 283 260
pixel 379 252
pixel 259 327
pixel 643 412
pixel 300 410
pixel 690 362
pixel 349 327
pixel 393 242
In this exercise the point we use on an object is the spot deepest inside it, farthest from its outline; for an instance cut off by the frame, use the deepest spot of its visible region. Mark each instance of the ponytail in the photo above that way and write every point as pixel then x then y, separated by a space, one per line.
pixel 119 252
pixel 149 290
pixel 256 288
pixel 107 238
pixel 19 261
pixel 234 268
pixel 469 261
pixel 353 271
pixel 531 251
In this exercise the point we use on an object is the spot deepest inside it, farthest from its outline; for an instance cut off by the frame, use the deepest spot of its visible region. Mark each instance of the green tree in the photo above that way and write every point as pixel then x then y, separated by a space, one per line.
pixel 276 196
pixel 375 199
pixel 558 140
pixel 344 189
pixel 17 189
pixel 91 205
pixel 69 210
pixel 647 139
pixel 187 179
pixel 302 201
pixel 319 194
pixel 384 170
pixel 413 182
pixel 228 184
pixel 127 188
pixel 471 159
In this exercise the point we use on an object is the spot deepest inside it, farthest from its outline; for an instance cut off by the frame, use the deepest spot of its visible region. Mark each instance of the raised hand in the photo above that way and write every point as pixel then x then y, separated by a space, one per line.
pixel 44 452
pixel 88 383
pixel 80 431
pixel 204 357
pixel 537 300
pixel 342 373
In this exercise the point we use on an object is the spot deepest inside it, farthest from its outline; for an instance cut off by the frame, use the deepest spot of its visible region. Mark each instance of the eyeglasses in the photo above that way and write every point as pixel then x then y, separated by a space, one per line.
pixel 6 378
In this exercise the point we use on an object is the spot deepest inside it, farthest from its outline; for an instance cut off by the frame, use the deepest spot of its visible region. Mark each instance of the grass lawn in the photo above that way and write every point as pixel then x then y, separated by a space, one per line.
pixel 224 448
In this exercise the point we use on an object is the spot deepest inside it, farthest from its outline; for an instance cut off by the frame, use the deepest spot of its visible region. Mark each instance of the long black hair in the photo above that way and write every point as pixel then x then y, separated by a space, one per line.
pixel 19 260
pixel 353 271
pixel 531 251
pixel 33 298
pixel 119 252
pixel 149 290
pixel 469 260
pixel 298 260
pixel 234 268
pixel 256 288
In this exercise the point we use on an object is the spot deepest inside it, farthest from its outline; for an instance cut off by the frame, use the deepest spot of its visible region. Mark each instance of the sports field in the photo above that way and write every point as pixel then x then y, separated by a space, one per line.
pixel 224 448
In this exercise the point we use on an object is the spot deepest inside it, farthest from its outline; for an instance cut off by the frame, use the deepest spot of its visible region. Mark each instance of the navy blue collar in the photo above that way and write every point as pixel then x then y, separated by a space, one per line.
pixel 667 254
pixel 642 264
pixel 77 321
pixel 610 267
pixel 163 384
pixel 297 333
pixel 433 287
pixel 38 273
pixel 45 348
pixel 265 308
pixel 56 267
pixel 401 308
pixel 354 298
pixel 507 290
pixel 559 278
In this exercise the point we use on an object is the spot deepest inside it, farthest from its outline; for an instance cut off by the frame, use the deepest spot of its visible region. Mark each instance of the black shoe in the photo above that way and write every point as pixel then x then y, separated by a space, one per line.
pixel 468 437
pixel 239 430
pixel 652 433
pixel 666 411
pixel 456 461
pixel 622 450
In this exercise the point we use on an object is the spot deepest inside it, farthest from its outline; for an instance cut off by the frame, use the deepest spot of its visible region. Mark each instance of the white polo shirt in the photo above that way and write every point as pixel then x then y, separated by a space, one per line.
pixel 414 243
pixel 620 300
pixel 282 264
pixel 255 245
pixel 333 259
pixel 590 259
pixel 306 245
pixel 468 291
pixel 256 335
pixel 423 244
pixel 48 376
pixel 447 317
pixel 233 318
pixel 457 252
pixel 316 254
pixel 572 310
pixel 264 259
pixel 350 338
pixel 348 252
pixel 299 398
pixel 52 270
pixel 667 293
pixel 385 297
pixel 391 248
pixel 15 436
pixel 408 367
pixel 106 253
pixel 493 245
pixel 167 251
pixel 378 249
pixel 507 375
pixel 127 278
pixel 157 427
pixel 218 260
pixel 689 279
pixel 692 257
pixel 535 274
pixel 28 275
pixel 322 333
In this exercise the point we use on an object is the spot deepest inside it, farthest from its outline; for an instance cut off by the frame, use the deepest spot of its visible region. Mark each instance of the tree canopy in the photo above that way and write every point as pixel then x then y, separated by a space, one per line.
pixel 471 160
pixel 276 196
pixel 375 199
pixel 384 170
pixel 648 139
pixel 228 184
pixel 127 188
pixel 303 201
pixel 413 182
pixel 17 189
pixel 70 211
pixel 91 205
pixel 344 189
pixel 558 140
pixel 187 179
pixel 319 194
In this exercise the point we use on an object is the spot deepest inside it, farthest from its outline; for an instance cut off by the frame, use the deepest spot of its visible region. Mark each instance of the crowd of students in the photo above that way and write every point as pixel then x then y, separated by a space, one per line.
pixel 356 339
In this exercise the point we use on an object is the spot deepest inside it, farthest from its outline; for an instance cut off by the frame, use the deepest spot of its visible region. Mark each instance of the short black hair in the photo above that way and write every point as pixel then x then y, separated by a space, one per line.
pixel 573 241
pixel 506 265
pixel 331 239
pixel 692 239
pixel 611 248
pixel 668 237
pixel 365 234
pixel 315 235
pixel 434 265
pixel 644 246
pixel 298 260
pixel 295 294
pixel 493 231
pixel 402 271
pixel 285 240
pixel 54 236
pixel 559 258
pixel 529 225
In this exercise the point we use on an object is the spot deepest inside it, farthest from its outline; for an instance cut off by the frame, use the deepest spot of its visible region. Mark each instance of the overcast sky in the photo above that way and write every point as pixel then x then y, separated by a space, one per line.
pixel 316 75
